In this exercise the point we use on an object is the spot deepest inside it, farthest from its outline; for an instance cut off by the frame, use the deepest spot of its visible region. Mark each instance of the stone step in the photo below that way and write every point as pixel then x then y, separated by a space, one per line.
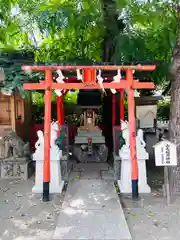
pixel 84 140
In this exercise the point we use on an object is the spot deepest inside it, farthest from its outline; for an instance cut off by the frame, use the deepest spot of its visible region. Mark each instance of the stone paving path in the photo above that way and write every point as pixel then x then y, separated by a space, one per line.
pixel 91 209
pixel 92 171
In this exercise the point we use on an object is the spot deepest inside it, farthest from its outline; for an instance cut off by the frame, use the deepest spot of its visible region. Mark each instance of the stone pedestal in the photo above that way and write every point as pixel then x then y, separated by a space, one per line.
pixel 117 166
pixel 99 149
pixel 125 180
pixel 66 165
pixel 20 168
pixel 56 183
pixel 82 137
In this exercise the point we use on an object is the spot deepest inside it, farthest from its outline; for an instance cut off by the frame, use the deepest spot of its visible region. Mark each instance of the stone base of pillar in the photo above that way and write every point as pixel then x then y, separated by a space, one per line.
pixel 127 189
pixel 124 188
pixel 124 183
pixel 56 184
pixel 117 166
pixel 52 189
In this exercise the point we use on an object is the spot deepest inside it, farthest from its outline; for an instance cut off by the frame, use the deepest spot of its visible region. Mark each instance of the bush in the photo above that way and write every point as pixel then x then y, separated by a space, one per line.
pixel 163 111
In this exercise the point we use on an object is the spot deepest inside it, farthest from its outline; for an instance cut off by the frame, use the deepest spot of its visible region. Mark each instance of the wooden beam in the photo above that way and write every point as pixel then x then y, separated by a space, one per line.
pixel 123 84
pixel 74 79
pixel 141 85
pixel 13 112
pixel 34 86
pixel 101 67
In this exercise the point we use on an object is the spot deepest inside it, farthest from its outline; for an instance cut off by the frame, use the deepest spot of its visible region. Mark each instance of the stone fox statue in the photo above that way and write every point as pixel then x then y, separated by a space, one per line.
pixel 14 146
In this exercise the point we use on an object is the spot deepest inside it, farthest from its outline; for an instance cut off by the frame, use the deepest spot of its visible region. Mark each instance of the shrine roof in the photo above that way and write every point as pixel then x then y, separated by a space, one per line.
pixel 147 100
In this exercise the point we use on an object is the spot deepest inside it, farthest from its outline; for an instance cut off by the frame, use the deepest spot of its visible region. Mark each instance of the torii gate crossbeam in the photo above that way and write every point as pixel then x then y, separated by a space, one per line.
pixel 89 82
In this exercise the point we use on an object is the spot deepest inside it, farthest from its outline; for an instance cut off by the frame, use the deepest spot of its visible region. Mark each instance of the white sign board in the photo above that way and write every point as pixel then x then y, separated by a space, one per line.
pixel 146 115
pixel 165 153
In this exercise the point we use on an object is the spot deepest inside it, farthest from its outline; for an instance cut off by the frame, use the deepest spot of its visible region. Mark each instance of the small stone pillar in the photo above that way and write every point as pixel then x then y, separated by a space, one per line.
pixel 124 183
pixel 56 183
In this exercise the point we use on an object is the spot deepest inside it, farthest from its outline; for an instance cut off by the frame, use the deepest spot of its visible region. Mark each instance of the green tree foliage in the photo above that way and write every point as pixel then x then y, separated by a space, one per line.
pixel 76 36
pixel 150 35
pixel 63 30
pixel 55 31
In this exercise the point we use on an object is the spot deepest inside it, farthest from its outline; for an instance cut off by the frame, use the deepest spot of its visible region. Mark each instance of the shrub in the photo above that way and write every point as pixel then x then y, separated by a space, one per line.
pixel 163 111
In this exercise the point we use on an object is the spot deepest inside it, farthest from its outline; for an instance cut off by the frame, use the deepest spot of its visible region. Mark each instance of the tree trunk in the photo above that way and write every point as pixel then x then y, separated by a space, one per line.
pixel 174 128
pixel 112 26
pixel 110 32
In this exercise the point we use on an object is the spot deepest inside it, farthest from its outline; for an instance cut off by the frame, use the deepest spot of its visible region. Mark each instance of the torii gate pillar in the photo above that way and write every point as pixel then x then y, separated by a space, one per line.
pixel 47 135
pixel 132 132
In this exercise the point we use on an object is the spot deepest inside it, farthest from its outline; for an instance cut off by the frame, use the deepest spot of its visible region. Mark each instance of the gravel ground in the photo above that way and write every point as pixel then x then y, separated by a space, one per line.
pixel 153 219
pixel 23 215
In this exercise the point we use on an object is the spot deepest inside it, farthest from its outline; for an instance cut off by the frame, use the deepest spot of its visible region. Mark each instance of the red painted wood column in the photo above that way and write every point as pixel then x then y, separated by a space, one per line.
pixel 47 131
pixel 62 110
pixel 113 109
pixel 132 134
pixel 58 104
pixel 122 104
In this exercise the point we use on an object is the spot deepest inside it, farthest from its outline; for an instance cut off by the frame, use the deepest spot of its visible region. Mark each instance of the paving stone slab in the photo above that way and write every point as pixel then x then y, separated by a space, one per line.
pixel 107 175
pixel 90 175
pixel 74 175
pixel 91 210
pixel 96 194
pixel 88 224
pixel 91 167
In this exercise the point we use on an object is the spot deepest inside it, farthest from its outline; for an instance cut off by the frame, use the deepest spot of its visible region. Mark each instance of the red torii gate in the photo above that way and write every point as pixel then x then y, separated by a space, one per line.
pixel 89 82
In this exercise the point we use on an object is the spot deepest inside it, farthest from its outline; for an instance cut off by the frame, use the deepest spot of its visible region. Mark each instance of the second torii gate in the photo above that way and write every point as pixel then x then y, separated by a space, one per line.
pixel 89 82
